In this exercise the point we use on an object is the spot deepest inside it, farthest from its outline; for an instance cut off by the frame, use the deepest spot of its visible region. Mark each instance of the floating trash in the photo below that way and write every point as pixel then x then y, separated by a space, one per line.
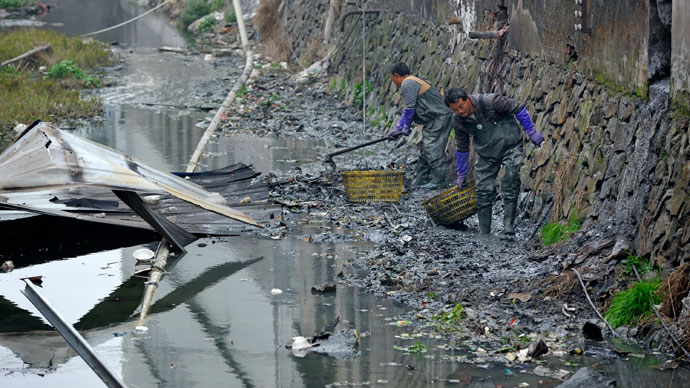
pixel 276 291
pixel 299 343
pixel 143 254
pixel 141 328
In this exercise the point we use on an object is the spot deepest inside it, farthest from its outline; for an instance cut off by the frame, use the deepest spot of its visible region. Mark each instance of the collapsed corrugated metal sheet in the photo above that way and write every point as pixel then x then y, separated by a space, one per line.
pixel 45 158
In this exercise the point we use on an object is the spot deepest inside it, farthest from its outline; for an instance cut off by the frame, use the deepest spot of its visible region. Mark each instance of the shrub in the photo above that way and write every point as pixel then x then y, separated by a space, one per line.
pixel 358 97
pixel 216 5
pixel 230 17
pixel 633 304
pixel 207 24
pixel 66 68
pixel 193 10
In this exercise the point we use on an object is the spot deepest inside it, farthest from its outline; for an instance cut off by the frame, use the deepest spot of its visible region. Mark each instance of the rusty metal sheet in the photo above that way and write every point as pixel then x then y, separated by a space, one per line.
pixel 46 158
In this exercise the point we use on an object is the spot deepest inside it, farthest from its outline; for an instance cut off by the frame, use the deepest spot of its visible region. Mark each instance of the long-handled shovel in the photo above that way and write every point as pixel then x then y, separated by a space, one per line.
pixel 329 157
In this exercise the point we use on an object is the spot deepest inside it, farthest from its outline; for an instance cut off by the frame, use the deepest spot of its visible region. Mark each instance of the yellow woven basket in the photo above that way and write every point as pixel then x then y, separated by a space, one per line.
pixel 373 186
pixel 452 205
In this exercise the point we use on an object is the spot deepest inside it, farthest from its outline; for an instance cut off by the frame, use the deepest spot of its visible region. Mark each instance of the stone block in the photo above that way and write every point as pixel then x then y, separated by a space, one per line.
pixel 677 201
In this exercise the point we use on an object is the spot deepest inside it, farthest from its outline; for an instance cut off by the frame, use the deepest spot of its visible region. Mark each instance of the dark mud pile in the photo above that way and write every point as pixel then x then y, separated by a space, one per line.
pixel 507 287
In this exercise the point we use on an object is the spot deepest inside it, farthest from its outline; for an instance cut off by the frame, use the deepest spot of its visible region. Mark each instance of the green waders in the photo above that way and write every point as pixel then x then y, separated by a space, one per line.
pixel 436 117
pixel 497 142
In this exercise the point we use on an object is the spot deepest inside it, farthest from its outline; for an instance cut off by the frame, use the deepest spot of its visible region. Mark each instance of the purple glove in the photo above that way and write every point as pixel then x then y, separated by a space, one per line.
pixel 528 125
pixel 406 120
pixel 395 133
pixel 462 158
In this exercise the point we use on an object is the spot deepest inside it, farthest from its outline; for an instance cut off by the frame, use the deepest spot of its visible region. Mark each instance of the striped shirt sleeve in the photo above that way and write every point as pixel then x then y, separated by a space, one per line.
pixel 409 90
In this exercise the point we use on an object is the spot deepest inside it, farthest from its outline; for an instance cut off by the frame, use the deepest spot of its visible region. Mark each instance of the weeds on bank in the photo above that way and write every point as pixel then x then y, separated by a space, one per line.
pixel 358 95
pixel 418 347
pixel 28 95
pixel 557 232
pixel 230 17
pixel 242 91
pixel 633 304
pixel 11 4
pixel 84 54
pixel 207 24
pixel 641 263
pixel 193 10
pixel 449 321
pixel 66 68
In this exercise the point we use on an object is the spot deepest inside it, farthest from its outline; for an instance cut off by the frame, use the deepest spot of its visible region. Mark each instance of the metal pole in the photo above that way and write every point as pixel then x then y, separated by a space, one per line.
pixel 73 338
pixel 157 270
pixel 240 25
pixel 364 72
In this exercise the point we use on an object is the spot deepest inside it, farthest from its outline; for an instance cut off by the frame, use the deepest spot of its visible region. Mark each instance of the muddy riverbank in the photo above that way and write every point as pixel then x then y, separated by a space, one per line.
pixel 513 293
pixel 448 308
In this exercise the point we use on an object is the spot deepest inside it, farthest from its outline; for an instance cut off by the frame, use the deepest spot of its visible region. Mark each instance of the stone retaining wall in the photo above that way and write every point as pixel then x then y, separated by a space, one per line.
pixel 618 161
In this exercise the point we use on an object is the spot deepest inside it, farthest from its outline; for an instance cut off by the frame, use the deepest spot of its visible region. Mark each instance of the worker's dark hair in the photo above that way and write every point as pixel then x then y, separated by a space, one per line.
pixel 400 69
pixel 453 94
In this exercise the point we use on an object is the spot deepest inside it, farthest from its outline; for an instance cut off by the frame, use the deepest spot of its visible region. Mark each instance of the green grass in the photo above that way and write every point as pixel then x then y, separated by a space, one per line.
pixel 217 5
pixel 452 317
pixel 641 263
pixel 207 24
pixel 27 99
pixel 358 96
pixel 66 69
pixel 635 303
pixel 11 4
pixel 552 233
pixel 418 347
pixel 28 95
pixel 230 17
pixel 639 91
pixel 242 91
pixel 84 55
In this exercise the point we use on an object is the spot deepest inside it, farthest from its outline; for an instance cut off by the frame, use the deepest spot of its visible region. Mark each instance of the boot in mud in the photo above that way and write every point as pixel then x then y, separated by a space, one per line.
pixel 484 216
pixel 438 179
pixel 422 175
pixel 509 213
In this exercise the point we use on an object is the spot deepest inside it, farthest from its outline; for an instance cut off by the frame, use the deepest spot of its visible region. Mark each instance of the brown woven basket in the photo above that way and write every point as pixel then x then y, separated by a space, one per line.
pixel 373 186
pixel 452 205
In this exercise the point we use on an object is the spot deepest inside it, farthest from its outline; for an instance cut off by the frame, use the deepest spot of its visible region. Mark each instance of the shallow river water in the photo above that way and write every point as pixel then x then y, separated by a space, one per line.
pixel 215 321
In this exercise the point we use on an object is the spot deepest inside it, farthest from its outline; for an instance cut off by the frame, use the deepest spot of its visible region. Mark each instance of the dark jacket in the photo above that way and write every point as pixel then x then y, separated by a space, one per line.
pixel 493 125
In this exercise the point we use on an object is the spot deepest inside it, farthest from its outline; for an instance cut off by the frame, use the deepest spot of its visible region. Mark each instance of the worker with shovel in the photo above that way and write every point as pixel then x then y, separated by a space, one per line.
pixel 424 105
pixel 497 139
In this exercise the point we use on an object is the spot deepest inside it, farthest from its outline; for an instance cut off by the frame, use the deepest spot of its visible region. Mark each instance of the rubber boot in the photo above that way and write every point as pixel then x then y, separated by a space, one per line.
pixel 422 175
pixel 484 216
pixel 438 179
pixel 509 213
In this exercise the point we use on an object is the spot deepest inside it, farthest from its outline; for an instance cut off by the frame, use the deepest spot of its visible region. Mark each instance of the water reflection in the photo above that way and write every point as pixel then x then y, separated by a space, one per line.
pixel 266 154
pixel 152 30
pixel 214 321
pixel 157 138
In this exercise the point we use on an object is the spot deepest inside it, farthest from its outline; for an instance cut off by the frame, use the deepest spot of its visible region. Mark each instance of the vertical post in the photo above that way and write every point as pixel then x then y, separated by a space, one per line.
pixel 329 22
pixel 364 71
pixel 240 24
